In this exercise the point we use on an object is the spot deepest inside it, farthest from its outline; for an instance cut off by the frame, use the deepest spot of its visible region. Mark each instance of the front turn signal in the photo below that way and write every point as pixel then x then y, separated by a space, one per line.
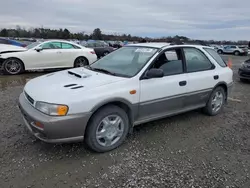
pixel 62 110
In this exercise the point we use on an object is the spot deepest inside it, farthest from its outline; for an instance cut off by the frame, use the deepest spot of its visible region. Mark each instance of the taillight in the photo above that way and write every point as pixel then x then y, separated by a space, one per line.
pixel 92 52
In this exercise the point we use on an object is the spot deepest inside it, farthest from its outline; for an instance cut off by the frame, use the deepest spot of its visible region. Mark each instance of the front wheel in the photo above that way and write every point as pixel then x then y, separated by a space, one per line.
pixel 107 129
pixel 216 102
pixel 105 53
pixel 13 66
pixel 81 62
pixel 220 51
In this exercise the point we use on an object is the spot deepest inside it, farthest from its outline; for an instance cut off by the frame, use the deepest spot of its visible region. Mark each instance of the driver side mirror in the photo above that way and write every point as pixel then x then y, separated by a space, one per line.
pixel 39 48
pixel 154 73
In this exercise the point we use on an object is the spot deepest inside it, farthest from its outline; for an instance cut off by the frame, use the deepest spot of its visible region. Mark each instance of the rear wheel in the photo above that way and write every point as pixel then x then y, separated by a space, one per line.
pixel 13 66
pixel 237 53
pixel 81 62
pixel 216 102
pixel 107 129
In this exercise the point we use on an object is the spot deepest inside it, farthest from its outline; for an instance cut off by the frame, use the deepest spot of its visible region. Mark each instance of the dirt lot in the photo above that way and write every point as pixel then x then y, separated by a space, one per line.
pixel 188 150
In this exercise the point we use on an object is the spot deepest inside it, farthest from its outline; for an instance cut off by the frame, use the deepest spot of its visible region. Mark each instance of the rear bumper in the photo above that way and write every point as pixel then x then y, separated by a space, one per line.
pixel 92 58
pixel 244 53
pixel 68 128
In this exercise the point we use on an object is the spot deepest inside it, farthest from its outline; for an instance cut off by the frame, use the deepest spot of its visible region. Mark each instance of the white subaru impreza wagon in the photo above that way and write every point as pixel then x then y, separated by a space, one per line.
pixel 138 83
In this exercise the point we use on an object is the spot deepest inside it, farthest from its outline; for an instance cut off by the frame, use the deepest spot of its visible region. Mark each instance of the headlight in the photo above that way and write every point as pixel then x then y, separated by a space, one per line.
pixel 52 109
pixel 243 65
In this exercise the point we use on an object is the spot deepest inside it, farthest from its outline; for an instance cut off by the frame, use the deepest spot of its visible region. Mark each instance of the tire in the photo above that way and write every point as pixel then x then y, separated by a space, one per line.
pixel 220 52
pixel 13 63
pixel 81 62
pixel 105 53
pixel 104 143
pixel 236 53
pixel 209 109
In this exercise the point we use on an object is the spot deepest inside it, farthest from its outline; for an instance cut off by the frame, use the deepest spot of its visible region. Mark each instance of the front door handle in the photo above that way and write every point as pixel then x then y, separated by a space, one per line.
pixel 59 52
pixel 183 83
pixel 216 77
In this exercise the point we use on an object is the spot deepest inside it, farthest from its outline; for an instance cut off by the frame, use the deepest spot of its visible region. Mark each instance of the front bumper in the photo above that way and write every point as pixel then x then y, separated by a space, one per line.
pixel 68 128
pixel 244 73
pixel 92 58
pixel 229 88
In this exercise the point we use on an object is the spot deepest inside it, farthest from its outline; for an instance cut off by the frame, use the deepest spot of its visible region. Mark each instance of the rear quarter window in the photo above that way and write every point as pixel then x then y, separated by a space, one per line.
pixel 216 57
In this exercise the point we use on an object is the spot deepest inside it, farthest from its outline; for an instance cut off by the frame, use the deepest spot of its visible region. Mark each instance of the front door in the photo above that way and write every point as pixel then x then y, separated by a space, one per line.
pixel 49 56
pixel 163 96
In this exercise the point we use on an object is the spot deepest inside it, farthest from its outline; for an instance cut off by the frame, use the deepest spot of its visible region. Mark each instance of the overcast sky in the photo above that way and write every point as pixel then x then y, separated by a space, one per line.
pixel 199 19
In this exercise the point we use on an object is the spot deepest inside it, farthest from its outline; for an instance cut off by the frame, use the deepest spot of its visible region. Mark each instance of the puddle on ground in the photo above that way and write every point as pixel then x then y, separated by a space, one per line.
pixel 10 81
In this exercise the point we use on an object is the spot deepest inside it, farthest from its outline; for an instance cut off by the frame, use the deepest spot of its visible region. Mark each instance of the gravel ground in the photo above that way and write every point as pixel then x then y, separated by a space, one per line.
pixel 188 150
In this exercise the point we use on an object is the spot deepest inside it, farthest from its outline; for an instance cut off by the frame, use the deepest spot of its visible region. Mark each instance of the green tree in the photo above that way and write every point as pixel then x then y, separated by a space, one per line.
pixel 97 34
pixel 4 33
pixel 66 34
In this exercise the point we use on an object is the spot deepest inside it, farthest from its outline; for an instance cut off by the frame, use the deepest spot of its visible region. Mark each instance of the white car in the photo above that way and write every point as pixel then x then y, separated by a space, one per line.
pixel 46 55
pixel 7 48
pixel 135 84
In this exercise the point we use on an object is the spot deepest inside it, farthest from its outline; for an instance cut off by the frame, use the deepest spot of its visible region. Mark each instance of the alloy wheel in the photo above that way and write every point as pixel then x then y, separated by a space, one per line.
pixel 110 130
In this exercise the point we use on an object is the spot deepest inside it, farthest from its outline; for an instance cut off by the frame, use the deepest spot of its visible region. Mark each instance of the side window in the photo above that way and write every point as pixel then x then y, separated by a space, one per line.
pixel 233 47
pixel 171 62
pixel 196 60
pixel 51 45
pixel 90 45
pixel 67 46
pixel 216 56
pixel 57 45
pixel 4 41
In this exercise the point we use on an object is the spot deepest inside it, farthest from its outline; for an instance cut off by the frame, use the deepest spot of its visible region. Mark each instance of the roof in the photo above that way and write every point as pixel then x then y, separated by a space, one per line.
pixel 150 44
pixel 166 45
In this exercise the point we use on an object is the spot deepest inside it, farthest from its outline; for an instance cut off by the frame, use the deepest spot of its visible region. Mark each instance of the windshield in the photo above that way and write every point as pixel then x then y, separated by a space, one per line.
pixel 126 61
pixel 32 45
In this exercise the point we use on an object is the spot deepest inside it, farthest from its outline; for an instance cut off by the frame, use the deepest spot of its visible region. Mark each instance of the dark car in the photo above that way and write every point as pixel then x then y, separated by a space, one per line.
pixel 244 70
pixel 11 42
pixel 101 48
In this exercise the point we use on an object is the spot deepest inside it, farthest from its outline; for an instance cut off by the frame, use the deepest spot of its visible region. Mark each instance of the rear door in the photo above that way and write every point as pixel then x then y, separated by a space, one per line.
pixel 201 77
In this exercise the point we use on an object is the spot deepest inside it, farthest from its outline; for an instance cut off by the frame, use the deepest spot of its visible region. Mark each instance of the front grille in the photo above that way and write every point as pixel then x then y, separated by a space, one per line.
pixel 30 99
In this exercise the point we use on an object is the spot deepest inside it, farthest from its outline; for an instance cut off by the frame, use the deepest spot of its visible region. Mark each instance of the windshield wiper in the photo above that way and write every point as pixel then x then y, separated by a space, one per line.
pixel 88 67
pixel 103 70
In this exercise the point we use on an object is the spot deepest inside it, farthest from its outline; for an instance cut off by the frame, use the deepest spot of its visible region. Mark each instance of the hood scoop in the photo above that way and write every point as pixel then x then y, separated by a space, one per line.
pixel 73 86
pixel 79 73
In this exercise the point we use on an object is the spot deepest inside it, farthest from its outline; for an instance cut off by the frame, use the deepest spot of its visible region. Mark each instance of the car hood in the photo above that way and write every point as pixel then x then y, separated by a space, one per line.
pixel 69 84
pixel 6 48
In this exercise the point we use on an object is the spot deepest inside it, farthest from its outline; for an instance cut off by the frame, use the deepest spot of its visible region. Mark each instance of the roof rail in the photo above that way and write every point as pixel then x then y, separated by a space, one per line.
pixel 190 43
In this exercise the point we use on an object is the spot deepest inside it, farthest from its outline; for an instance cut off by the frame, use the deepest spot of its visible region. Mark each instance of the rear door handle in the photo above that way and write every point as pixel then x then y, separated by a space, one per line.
pixel 216 77
pixel 183 83
pixel 59 52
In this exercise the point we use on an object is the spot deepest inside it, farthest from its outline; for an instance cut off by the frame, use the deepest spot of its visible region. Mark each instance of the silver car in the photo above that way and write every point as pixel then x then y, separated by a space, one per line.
pixel 232 49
